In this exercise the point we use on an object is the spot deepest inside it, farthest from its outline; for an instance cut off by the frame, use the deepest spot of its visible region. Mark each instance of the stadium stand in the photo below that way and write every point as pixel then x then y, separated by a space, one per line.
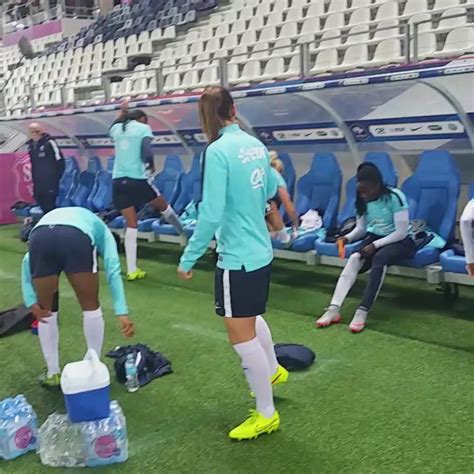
pixel 170 47
pixel 174 47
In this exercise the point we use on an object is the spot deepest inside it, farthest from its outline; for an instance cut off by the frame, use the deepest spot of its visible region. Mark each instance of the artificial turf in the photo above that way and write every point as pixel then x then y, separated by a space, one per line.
pixel 398 398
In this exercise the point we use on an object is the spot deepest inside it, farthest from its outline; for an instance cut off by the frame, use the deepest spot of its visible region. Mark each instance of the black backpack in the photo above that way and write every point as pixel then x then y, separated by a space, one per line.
pixel 294 356
pixel 150 364
pixel 15 320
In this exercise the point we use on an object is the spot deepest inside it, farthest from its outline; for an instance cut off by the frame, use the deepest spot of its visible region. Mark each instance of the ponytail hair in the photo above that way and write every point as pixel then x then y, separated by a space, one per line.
pixel 126 117
pixel 369 173
pixel 215 107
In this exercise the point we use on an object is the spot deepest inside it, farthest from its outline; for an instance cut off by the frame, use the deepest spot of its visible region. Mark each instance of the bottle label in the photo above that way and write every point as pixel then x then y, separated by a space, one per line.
pixel 24 437
pixel 106 447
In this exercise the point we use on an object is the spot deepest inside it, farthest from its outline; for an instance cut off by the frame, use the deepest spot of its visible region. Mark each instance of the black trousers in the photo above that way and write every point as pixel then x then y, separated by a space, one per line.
pixel 383 258
pixel 46 200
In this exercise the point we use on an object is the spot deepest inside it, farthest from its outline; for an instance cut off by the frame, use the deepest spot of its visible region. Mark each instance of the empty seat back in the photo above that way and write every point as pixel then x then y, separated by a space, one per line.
pixel 67 186
pixel 433 191
pixel 320 188
pixel 167 181
pixel 189 182
pixel 94 165
pixel 110 163
pixel 100 198
pixel 84 188
pixel 385 165
pixel 289 172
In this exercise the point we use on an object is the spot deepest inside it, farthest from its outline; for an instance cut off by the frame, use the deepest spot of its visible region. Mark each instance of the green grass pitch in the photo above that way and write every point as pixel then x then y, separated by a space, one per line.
pixel 398 398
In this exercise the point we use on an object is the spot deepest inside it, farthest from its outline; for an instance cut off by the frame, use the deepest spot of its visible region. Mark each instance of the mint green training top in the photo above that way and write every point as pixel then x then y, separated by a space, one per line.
pixel 128 161
pixel 237 183
pixel 101 238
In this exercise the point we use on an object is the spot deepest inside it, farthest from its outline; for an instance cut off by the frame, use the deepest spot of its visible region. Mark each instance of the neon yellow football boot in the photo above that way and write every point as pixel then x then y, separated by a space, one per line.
pixel 136 275
pixel 255 425
pixel 51 381
pixel 280 376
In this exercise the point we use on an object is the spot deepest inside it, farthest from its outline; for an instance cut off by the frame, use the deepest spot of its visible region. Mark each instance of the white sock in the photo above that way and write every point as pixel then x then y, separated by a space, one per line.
pixel 283 236
pixel 131 249
pixel 264 336
pixel 94 330
pixel 49 340
pixel 347 279
pixel 171 217
pixel 257 373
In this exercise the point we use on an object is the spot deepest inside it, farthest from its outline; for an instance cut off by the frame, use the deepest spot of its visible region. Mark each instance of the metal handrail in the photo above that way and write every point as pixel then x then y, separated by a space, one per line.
pixel 416 25
pixel 409 33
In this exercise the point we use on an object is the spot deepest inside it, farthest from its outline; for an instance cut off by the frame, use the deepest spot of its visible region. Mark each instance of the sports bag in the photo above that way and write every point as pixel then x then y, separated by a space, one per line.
pixel 294 356
pixel 15 320
pixel 150 365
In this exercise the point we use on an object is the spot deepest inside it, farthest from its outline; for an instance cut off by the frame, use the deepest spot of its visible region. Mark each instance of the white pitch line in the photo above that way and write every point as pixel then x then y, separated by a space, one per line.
pixel 195 329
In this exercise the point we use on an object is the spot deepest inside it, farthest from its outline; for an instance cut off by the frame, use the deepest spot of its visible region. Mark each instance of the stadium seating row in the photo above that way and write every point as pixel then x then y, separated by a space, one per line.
pixel 260 38
pixel 432 192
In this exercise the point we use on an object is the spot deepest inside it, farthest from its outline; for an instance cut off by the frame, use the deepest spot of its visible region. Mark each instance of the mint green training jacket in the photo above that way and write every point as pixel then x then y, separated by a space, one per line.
pixel 237 183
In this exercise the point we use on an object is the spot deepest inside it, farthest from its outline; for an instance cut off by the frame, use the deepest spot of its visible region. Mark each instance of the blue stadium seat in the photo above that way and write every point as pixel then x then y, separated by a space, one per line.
pixel 384 163
pixel 289 173
pixel 432 193
pixel 190 185
pixel 67 186
pixel 319 189
pixel 68 182
pixel 168 183
pixel 110 164
pixel 100 198
pixel 452 263
pixel 83 190
pixel 81 197
pixel 94 165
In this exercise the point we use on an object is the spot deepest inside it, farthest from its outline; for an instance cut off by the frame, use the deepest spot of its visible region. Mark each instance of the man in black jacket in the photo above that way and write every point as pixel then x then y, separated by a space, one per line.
pixel 47 167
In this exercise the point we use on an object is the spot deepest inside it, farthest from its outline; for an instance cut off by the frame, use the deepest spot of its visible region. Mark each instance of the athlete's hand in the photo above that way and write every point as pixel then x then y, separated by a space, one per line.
pixel 126 326
pixel 185 275
pixel 470 269
pixel 124 106
pixel 39 313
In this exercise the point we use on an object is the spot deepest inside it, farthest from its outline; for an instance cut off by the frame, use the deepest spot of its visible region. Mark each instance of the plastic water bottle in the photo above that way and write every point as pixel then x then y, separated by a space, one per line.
pixel 131 374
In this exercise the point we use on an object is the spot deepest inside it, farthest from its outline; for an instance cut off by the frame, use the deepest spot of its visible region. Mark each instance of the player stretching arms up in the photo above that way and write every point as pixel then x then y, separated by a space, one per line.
pixel 132 180
pixel 383 223
pixel 467 234
pixel 68 240
pixel 237 183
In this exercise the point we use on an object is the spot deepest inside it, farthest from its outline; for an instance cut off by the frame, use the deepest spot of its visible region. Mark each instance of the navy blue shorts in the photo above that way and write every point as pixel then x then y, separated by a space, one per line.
pixel 128 192
pixel 242 294
pixel 61 248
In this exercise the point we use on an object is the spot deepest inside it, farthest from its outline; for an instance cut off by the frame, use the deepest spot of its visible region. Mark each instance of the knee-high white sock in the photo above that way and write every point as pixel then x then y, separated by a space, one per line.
pixel 283 236
pixel 257 373
pixel 94 330
pixel 264 336
pixel 347 279
pixel 131 249
pixel 170 215
pixel 49 340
